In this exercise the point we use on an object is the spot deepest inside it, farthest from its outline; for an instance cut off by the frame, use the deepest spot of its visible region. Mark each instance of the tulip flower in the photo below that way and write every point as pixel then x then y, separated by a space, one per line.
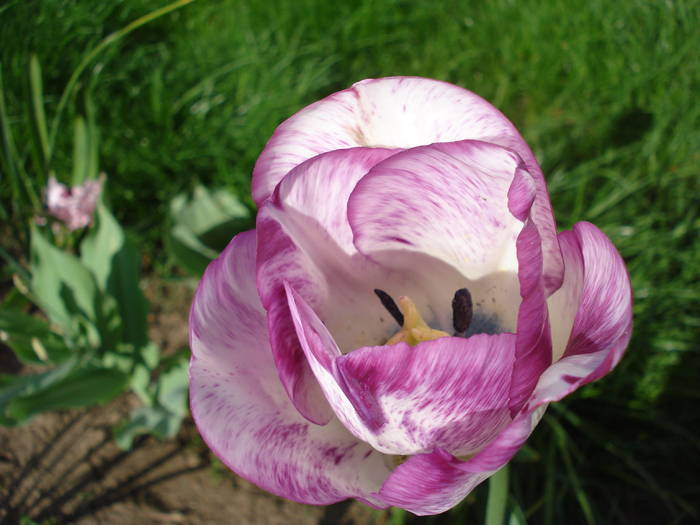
pixel 73 206
pixel 396 324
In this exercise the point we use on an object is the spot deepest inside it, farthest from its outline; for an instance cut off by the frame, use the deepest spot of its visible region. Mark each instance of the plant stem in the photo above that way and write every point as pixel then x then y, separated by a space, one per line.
pixel 498 497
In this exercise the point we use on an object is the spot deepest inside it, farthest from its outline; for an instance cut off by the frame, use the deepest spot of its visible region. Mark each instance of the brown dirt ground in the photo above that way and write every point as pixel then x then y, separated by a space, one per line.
pixel 63 467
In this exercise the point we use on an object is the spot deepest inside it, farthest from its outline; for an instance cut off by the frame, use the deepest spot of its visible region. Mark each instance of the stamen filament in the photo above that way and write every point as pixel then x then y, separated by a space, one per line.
pixel 390 305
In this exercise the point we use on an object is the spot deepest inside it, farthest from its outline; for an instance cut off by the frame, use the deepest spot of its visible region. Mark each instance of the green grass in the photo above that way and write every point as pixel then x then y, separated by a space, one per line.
pixel 604 91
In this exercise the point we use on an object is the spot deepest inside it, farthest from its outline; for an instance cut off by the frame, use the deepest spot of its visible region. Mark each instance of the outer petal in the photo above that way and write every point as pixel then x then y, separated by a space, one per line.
pixel 450 392
pixel 597 290
pixel 433 483
pixel 402 112
pixel 242 411
pixel 308 243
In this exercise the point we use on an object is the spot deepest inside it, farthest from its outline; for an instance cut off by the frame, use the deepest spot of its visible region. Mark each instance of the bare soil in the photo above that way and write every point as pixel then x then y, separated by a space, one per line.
pixel 64 467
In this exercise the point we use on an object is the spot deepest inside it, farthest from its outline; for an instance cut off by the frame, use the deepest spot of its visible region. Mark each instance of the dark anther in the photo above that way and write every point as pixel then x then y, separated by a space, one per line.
pixel 390 305
pixel 461 311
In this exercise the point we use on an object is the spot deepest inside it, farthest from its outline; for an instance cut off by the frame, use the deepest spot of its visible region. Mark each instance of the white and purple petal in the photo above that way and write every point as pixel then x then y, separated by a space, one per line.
pixel 242 410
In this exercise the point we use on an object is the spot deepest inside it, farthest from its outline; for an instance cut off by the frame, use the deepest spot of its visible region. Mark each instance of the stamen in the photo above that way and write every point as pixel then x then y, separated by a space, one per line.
pixel 390 305
pixel 462 311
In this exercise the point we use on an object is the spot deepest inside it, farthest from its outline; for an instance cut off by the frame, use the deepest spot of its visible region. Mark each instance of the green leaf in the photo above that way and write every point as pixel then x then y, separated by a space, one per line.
pixel 188 251
pixel 138 363
pixel 517 516
pixel 12 163
pixel 114 261
pixel 203 225
pixel 86 386
pixel 12 387
pixel 154 420
pixel 31 338
pixel 164 417
pixel 64 288
pixel 172 388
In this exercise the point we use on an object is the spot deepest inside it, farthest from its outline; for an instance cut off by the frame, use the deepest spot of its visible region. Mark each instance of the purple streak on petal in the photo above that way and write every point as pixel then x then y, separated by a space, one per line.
pixel 242 410
pixel 321 352
pixel 450 392
pixel 402 112
pixel 432 483
pixel 596 275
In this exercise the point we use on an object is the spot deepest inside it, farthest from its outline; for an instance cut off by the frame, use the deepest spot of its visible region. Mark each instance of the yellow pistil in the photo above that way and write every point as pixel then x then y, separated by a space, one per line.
pixel 414 329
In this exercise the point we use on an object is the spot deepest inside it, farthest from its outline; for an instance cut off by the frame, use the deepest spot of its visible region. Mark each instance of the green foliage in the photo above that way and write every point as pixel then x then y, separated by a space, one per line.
pixel 68 293
pixel 97 336
pixel 31 338
pixel 85 386
pixel 113 260
pixel 203 225
pixel 165 405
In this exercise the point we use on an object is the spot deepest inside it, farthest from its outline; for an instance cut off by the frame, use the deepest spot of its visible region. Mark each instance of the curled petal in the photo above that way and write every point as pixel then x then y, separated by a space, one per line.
pixel 242 410
pixel 596 302
pixel 450 393
pixel 533 353
pixel 402 112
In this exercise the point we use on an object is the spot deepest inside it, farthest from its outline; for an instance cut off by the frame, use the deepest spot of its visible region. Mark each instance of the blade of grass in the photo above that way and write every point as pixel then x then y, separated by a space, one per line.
pixel 38 115
pixel 81 154
pixel 13 166
pixel 93 132
pixel 7 145
pixel 550 485
pixel 90 56
pixel 581 497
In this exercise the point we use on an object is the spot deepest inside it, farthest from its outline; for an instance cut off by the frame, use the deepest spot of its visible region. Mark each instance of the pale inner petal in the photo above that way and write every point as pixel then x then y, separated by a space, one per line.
pixel 353 314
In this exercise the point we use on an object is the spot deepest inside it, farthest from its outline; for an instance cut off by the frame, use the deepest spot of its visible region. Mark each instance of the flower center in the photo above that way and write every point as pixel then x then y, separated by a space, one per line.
pixel 414 329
